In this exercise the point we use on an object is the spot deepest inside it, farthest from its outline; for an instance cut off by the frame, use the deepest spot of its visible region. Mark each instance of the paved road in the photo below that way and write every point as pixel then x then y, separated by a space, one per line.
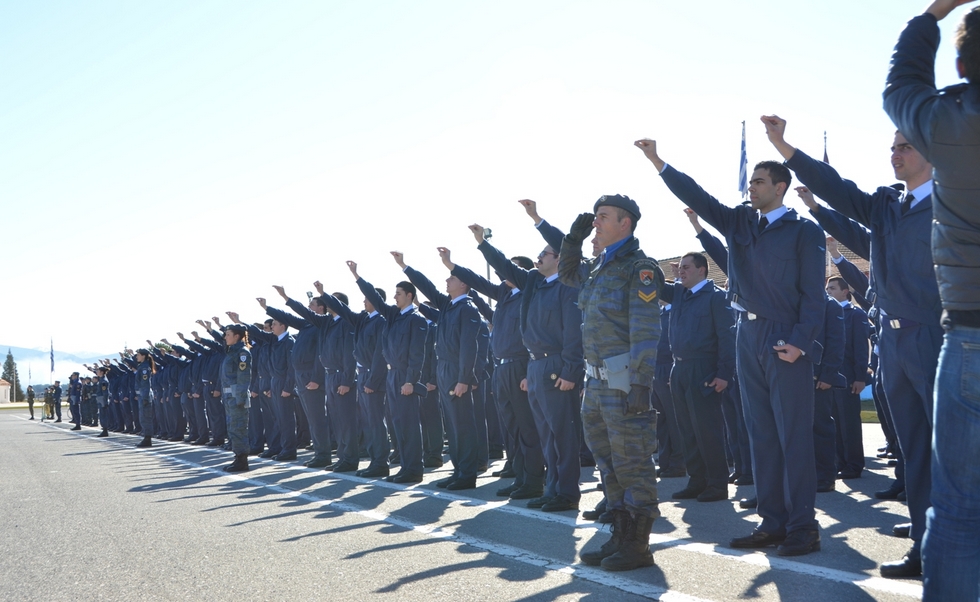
pixel 96 519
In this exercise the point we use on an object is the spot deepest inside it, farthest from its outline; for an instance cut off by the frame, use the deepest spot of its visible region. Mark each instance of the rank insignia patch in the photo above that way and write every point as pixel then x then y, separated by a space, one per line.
pixel 646 277
pixel 242 366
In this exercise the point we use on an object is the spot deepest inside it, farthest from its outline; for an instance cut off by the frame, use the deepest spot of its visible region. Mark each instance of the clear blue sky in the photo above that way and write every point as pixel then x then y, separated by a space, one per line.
pixel 166 161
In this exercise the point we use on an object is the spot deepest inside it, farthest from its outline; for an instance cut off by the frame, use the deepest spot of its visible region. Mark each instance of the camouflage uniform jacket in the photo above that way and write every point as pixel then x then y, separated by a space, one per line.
pixel 236 375
pixel 620 313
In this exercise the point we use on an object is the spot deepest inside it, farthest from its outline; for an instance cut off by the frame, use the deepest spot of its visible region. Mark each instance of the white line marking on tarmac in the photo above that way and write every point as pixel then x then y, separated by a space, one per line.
pixel 595 575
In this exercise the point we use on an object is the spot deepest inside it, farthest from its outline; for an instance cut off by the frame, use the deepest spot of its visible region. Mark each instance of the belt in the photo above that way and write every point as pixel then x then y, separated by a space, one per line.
pixel 598 372
pixel 897 323
pixel 507 360
pixel 751 316
pixel 332 370
pixel 539 356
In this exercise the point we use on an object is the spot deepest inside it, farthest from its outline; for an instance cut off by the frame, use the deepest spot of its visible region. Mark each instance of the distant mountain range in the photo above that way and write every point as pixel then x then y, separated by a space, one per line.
pixel 37 363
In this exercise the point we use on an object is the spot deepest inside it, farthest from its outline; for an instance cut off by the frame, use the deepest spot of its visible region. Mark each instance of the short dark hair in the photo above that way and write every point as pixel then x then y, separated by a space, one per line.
pixel 268 322
pixel 842 284
pixel 968 45
pixel 342 298
pixel 622 214
pixel 408 288
pixel 778 172
pixel 522 262
pixel 700 261
pixel 319 302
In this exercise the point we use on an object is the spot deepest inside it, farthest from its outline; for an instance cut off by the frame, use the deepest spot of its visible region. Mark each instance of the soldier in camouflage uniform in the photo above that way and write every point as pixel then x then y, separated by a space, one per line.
pixel 621 329
pixel 236 376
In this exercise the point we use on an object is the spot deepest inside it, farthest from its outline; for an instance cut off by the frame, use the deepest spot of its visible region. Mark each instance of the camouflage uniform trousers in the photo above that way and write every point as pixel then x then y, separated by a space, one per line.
pixel 623 446
pixel 236 419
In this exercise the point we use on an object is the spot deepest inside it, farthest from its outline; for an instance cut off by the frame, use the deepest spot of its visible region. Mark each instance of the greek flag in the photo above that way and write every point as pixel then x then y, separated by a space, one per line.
pixel 743 168
pixel 52 356
pixel 825 158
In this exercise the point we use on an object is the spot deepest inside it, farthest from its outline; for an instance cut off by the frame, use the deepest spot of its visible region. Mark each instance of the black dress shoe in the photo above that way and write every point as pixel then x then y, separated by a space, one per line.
pixel 526 493
pixel 848 474
pixel 538 502
pixel 506 491
pixel 757 539
pixel 370 473
pixel 507 473
pixel 432 463
pixel 76 428
pixel 560 503
pixel 902 497
pixel 404 478
pixel 748 502
pixel 318 463
pixel 826 486
pixel 351 467
pixel 672 473
pixel 460 484
pixel 731 478
pixel 496 454
pixel 268 454
pixel 902 529
pixel 444 483
pixel 889 494
pixel 745 479
pixel 800 542
pixel 713 494
pixel 284 457
pixel 688 493
pixel 902 569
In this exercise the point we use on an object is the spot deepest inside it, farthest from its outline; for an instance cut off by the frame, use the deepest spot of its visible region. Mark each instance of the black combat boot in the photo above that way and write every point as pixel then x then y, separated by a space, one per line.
pixel 635 551
pixel 146 442
pixel 104 433
pixel 620 525
pixel 239 465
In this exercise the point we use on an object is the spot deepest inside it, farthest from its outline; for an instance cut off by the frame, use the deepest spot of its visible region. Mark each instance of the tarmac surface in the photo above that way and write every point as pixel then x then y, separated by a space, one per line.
pixel 97 519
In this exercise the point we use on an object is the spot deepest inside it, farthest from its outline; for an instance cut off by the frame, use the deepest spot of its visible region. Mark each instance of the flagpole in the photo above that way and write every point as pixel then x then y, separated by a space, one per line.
pixel 743 168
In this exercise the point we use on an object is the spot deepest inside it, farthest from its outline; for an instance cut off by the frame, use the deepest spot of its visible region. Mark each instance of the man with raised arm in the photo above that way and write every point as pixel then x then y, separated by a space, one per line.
pixel 907 296
pixel 403 346
pixel 944 125
pixel 456 361
pixel 777 269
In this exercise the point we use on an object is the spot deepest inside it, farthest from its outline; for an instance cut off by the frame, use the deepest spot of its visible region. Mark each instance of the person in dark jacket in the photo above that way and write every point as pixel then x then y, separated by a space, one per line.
pixel 236 375
pixel 944 125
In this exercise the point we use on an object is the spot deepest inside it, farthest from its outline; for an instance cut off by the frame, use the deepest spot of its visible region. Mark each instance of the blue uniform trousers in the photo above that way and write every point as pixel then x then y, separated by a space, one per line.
pixel 303 438
pixel 134 411
pixel 527 458
pixel 286 413
pixel 496 439
pixel 701 424
pixel 670 446
pixel 216 413
pixel 201 415
pixel 908 360
pixel 406 424
pixel 824 436
pixel 343 412
pixel 881 407
pixel 849 438
pixel 270 419
pixel 256 425
pixel 187 404
pixel 480 417
pixel 460 422
pixel 74 408
pixel 433 432
pixel 559 420
pixel 146 414
pixel 315 411
pixel 738 434
pixel 777 397
pixel 367 416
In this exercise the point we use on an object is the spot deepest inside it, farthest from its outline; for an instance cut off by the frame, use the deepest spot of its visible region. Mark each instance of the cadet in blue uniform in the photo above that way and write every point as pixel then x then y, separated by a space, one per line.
pixel 550 322
pixel 236 375
pixel 433 429
pixel 670 446
pixel 827 378
pixel 703 346
pixel 403 345
pixel 456 360
pixel 511 356
pixel 75 400
pixel 367 410
pixel 102 399
pixel 270 404
pixel 310 377
pixel 777 271
pixel 56 397
pixel 907 296
pixel 283 389
pixel 847 399
pixel 145 369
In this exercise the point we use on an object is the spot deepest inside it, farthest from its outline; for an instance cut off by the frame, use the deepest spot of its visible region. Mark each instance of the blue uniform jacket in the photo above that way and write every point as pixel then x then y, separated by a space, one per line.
pixel 368 339
pixel 857 345
pixel 777 274
pixel 551 321
pixel 403 338
pixel 901 268
pixel 459 328
pixel 701 326
pixel 833 339
pixel 505 340
pixel 335 340
pixel 304 352
pixel 848 232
